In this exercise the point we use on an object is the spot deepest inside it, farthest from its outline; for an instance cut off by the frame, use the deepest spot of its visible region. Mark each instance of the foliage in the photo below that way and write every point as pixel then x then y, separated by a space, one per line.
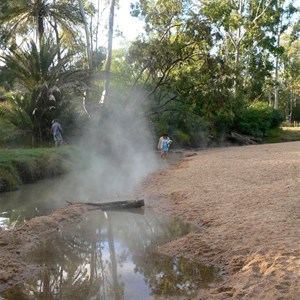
pixel 210 60
pixel 220 124
pixel 290 79
pixel 186 130
pixel 196 71
pixel 21 17
pixel 257 120
pixel 41 83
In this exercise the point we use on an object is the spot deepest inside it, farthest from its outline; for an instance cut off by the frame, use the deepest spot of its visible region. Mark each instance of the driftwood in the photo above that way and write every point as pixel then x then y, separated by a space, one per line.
pixel 244 139
pixel 127 204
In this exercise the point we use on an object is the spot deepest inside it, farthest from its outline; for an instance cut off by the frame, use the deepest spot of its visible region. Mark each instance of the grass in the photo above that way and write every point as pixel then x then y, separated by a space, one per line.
pixel 294 129
pixel 20 154
pixel 283 134
pixel 19 166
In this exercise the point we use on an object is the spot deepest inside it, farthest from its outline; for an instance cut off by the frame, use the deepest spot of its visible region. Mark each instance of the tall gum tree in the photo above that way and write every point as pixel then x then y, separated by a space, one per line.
pixel 111 17
pixel 243 26
pixel 173 59
pixel 289 77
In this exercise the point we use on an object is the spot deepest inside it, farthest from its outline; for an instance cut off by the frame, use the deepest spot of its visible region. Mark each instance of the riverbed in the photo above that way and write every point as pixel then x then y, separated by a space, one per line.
pixel 113 255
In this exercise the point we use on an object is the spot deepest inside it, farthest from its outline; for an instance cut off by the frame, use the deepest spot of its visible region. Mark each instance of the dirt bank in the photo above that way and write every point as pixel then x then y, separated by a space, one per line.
pixel 246 200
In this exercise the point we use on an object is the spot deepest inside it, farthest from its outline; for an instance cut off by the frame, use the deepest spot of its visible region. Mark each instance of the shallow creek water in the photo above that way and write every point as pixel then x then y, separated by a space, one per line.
pixel 109 255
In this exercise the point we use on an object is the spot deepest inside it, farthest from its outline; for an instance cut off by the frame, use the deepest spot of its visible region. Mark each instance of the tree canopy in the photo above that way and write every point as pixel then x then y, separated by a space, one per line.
pixel 200 68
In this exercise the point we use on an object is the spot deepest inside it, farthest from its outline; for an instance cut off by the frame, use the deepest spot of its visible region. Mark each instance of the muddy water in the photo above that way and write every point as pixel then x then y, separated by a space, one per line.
pixel 109 255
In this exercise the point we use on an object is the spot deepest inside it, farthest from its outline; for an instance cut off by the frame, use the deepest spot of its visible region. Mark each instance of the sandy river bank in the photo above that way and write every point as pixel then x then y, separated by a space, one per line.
pixel 247 202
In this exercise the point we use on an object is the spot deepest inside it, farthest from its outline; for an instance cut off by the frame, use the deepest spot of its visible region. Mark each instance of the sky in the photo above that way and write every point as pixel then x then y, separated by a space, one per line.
pixel 130 26
pixel 124 22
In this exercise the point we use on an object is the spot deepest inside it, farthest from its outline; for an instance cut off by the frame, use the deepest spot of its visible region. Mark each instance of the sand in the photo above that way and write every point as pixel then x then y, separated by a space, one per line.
pixel 245 201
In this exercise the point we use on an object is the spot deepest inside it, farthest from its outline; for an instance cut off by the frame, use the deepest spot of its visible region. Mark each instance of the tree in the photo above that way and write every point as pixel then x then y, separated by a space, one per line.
pixel 87 34
pixel 108 51
pixel 210 59
pixel 290 77
pixel 173 64
pixel 41 81
pixel 284 17
pixel 22 17
pixel 245 28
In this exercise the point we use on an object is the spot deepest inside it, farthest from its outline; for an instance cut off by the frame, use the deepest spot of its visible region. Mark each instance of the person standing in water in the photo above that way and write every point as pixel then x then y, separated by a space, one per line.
pixel 164 143
pixel 56 131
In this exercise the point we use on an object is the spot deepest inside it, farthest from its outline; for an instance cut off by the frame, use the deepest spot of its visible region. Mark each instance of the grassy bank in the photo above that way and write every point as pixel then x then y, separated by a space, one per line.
pixel 20 166
pixel 283 134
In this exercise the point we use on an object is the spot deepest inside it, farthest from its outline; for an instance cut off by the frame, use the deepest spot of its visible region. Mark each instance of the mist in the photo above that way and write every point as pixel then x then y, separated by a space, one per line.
pixel 121 152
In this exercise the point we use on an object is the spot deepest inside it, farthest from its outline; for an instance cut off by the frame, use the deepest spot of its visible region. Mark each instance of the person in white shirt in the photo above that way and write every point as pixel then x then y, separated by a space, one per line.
pixel 164 143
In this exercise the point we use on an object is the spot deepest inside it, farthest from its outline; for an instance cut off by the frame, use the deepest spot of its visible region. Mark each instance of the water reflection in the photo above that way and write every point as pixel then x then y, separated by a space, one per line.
pixel 33 200
pixel 114 256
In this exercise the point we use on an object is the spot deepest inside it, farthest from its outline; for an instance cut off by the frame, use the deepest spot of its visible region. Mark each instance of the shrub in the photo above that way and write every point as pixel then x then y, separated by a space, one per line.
pixel 221 124
pixel 256 120
pixel 180 138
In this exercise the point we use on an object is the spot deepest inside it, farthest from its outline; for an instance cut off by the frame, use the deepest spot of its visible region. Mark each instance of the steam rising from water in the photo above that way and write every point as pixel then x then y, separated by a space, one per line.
pixel 121 152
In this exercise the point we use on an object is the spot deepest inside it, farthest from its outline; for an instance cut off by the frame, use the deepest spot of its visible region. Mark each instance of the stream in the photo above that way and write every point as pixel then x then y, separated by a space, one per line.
pixel 108 255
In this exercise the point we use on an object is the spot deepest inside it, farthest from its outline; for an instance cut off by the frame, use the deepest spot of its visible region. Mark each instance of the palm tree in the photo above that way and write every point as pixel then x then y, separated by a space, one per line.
pixel 20 16
pixel 40 78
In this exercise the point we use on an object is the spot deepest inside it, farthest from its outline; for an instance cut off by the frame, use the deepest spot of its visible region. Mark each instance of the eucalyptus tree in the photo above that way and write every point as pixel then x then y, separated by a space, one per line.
pixel 87 33
pixel 289 77
pixel 246 28
pixel 283 16
pixel 172 41
pixel 187 86
pixel 108 59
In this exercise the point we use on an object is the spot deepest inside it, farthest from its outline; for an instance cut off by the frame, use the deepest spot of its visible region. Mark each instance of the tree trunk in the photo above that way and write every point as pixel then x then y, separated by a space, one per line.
pixel 276 90
pixel 109 51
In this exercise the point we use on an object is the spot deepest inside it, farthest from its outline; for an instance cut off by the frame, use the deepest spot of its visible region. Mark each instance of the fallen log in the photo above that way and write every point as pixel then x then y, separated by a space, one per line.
pixel 116 205
pixel 244 139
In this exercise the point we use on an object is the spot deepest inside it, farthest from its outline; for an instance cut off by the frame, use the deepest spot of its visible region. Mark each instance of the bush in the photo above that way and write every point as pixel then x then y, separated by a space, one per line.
pixel 221 124
pixel 256 120
pixel 180 138
pixel 186 129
